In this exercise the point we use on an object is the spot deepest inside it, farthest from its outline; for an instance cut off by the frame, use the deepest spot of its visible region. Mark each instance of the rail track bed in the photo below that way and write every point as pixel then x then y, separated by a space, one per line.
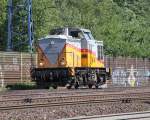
pixel 62 100
pixel 75 101
pixel 55 105
pixel 14 94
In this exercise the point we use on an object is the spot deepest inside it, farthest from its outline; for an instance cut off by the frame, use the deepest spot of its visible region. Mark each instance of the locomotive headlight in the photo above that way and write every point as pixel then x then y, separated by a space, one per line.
pixel 62 62
pixel 41 63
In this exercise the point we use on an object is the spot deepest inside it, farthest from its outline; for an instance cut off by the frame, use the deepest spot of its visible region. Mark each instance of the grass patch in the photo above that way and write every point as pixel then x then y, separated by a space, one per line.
pixel 3 89
pixel 22 86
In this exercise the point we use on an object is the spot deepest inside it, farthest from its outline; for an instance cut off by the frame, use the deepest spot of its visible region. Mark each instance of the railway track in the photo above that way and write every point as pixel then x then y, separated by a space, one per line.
pixel 54 104
pixel 42 93
pixel 30 99
pixel 73 100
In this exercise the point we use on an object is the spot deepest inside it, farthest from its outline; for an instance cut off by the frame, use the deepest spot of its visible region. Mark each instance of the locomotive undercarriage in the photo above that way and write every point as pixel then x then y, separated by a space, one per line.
pixel 46 77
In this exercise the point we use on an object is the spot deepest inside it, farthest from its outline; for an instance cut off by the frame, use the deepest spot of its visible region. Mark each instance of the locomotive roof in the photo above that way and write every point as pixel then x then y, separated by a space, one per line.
pixel 67 32
pixel 71 29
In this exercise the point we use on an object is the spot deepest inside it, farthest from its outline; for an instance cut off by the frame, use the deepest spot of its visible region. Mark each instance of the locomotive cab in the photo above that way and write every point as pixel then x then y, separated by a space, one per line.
pixel 75 33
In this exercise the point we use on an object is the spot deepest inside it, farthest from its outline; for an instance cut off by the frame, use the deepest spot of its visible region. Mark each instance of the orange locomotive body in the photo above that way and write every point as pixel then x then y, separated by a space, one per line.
pixel 71 57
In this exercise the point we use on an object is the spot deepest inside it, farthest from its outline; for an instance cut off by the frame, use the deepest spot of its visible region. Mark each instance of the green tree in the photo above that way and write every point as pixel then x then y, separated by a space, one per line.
pixel 3 23
pixel 123 25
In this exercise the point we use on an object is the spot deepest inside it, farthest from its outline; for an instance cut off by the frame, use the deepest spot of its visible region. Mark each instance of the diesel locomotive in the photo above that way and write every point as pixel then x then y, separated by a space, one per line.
pixel 70 57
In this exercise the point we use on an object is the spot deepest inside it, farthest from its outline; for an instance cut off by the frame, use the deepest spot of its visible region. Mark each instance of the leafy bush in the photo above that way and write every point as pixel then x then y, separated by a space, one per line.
pixel 21 86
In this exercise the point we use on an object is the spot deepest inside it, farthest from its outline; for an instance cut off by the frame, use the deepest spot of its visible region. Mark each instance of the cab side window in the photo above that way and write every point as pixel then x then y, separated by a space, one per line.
pixel 76 34
pixel 73 34
pixel 100 52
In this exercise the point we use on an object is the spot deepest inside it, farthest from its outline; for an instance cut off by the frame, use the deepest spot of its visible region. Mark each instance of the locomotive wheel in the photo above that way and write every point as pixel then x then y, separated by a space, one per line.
pixel 54 86
pixel 68 87
pixel 90 86
pixel 76 86
pixel 96 86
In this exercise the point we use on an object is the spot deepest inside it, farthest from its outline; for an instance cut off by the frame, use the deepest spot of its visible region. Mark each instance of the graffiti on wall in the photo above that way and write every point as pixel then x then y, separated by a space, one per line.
pixel 130 77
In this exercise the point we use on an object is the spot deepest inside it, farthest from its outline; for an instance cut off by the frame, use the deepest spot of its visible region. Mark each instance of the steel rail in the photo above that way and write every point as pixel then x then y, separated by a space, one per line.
pixel 54 104
pixel 121 116
pixel 80 96
pixel 72 91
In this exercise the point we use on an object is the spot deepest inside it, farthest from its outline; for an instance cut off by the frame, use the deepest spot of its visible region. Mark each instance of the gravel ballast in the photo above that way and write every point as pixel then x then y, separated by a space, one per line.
pixel 73 111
